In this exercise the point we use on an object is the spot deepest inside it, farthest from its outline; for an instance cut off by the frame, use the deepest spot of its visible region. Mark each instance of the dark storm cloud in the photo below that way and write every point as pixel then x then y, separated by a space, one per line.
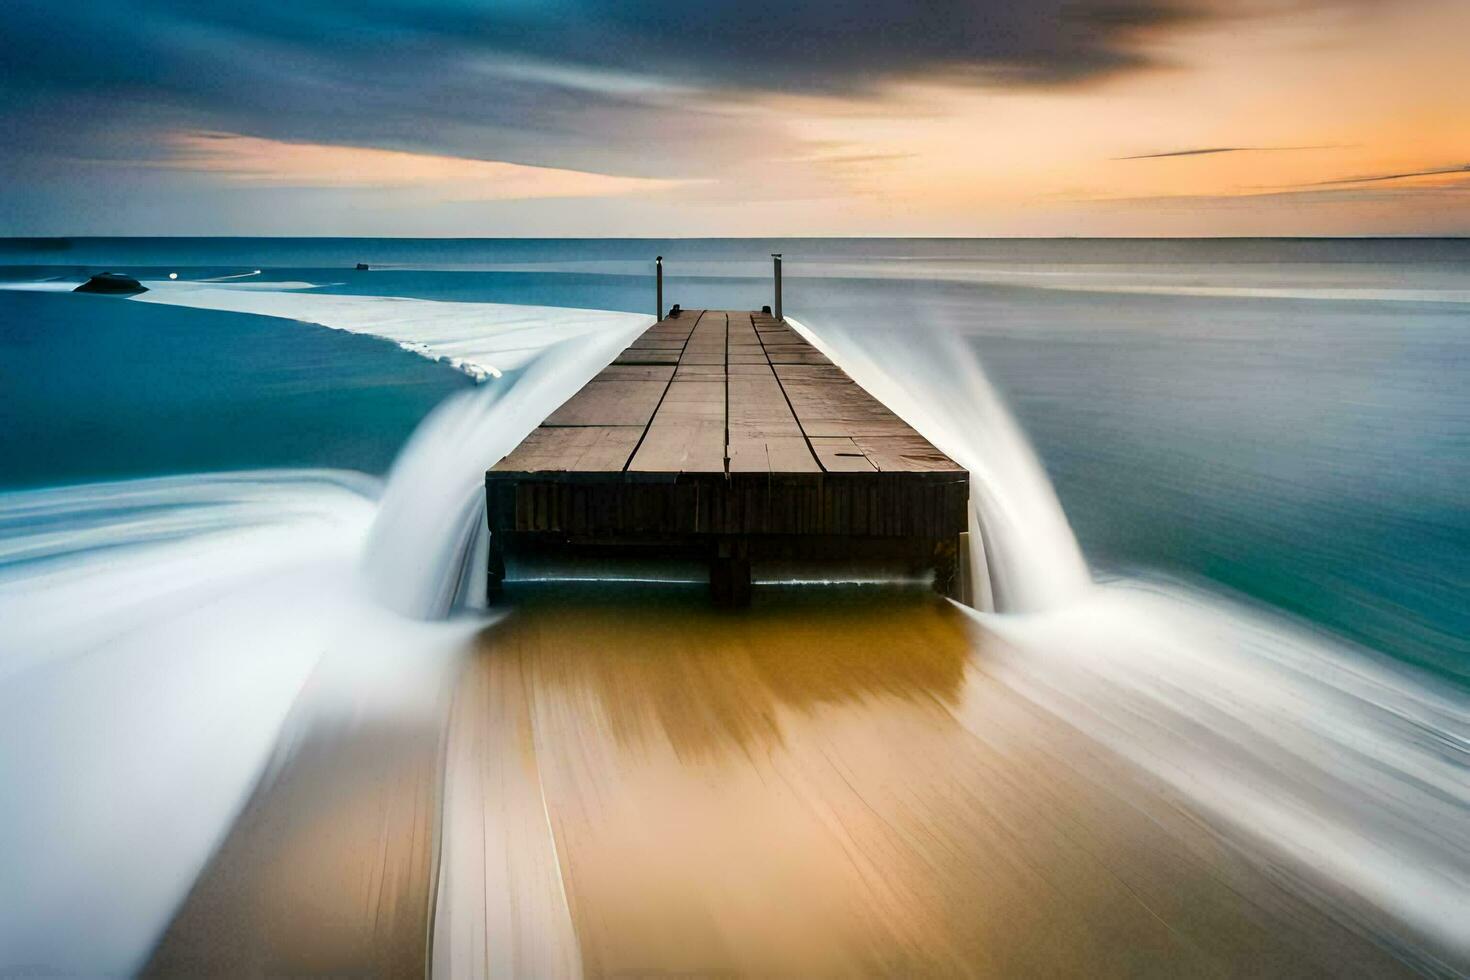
pixel 840 47
pixel 757 44
pixel 521 80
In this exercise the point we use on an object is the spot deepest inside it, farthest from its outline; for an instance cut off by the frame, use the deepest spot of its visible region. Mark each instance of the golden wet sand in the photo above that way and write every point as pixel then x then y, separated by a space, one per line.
pixel 629 782
pixel 826 784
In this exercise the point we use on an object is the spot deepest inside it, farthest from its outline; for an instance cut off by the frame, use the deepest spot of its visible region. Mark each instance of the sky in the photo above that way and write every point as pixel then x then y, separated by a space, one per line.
pixel 504 118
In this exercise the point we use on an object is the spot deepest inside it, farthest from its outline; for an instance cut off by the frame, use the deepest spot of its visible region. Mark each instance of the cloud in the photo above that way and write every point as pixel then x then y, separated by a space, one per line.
pixel 107 79
pixel 637 88
pixel 780 45
pixel 1463 168
pixel 756 44
pixel 1220 149
pixel 367 55
pixel 264 162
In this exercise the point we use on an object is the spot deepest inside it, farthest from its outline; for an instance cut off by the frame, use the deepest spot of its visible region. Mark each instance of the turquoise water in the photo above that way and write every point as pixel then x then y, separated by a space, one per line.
pixel 1285 420
pixel 97 388
pixel 1312 454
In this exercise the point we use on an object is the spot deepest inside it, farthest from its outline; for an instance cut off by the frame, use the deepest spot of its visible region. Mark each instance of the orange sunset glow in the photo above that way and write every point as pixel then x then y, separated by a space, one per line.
pixel 1296 118
pixel 735 488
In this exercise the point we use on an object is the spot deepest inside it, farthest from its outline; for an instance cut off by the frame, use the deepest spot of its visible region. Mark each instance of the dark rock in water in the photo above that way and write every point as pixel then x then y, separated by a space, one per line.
pixel 111 282
pixel 362 267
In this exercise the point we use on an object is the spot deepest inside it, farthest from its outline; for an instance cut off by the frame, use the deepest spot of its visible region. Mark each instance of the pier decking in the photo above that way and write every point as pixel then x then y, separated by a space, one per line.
pixel 725 435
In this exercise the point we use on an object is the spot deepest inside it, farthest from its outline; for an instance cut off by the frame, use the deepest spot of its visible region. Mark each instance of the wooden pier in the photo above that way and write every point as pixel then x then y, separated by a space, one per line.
pixel 724 435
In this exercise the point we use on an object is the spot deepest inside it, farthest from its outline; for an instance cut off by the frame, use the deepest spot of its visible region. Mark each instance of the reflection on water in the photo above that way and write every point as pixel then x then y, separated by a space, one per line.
pixel 710 683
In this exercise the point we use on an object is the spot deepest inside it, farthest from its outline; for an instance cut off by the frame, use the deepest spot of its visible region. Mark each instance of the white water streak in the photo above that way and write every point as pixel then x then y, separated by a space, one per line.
pixel 1289 743
pixel 939 388
pixel 480 339
pixel 427 547
pixel 153 635
pixel 426 551
pixel 1285 739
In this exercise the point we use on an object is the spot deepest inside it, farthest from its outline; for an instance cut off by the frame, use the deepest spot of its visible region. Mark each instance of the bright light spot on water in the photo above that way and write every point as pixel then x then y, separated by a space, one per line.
pixel 173 275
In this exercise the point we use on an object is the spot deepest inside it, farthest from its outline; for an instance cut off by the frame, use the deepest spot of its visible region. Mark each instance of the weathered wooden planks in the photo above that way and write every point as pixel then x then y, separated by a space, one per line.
pixel 661 356
pixel 613 402
pixel 840 454
pixel 688 433
pixel 715 391
pixel 637 372
pixel 584 449
pixel 764 436
pixel 727 434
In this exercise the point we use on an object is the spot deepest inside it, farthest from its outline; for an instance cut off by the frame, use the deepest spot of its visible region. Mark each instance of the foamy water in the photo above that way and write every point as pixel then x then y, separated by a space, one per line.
pixel 1291 743
pixel 429 546
pixel 155 634
pixel 481 339
pixel 1023 552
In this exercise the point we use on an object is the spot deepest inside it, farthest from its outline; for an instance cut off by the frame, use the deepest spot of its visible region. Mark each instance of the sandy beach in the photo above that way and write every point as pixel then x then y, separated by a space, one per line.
pixel 635 783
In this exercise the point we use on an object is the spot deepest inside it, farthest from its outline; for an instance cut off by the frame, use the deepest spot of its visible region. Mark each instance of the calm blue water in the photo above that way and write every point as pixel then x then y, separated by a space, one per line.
pixel 100 388
pixel 1287 420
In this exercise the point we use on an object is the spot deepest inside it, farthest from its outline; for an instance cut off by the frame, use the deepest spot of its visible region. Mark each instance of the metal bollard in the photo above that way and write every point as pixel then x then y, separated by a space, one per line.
pixel 776 259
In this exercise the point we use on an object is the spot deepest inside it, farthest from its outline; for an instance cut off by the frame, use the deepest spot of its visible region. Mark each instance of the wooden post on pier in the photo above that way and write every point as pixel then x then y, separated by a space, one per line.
pixel 658 273
pixel 776 259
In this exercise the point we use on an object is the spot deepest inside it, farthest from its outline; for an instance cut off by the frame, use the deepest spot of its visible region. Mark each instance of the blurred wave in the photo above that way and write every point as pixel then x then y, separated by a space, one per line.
pixel 154 635
pixel 1349 767
pixel 481 339
pixel 1023 551
pixel 175 650
pixel 1291 742
pixel 428 548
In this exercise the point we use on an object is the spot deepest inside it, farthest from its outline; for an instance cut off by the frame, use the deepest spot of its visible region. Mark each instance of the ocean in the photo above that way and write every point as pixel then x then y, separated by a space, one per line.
pixel 1282 419
pixel 1225 481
